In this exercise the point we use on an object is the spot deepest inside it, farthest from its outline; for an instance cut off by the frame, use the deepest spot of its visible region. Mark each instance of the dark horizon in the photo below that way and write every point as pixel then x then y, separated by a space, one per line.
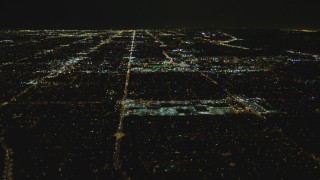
pixel 99 14
pixel 122 27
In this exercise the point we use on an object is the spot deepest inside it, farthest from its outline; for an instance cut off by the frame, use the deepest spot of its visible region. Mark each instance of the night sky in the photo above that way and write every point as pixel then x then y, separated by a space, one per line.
pixel 159 13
